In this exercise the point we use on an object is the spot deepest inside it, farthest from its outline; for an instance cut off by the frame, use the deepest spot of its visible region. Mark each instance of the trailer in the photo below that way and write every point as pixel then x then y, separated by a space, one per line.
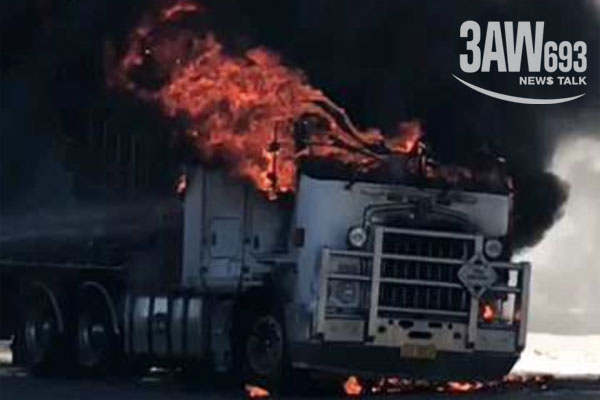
pixel 346 276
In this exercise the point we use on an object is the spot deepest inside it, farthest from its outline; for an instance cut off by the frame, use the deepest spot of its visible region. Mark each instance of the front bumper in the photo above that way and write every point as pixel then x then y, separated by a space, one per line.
pixel 377 361
pixel 416 298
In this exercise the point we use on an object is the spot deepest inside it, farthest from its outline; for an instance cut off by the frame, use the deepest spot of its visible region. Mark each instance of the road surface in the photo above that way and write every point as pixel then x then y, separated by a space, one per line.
pixel 16 384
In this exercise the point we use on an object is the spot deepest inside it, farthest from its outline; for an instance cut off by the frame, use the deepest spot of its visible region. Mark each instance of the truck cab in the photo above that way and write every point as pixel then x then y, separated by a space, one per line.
pixel 360 277
pixel 410 281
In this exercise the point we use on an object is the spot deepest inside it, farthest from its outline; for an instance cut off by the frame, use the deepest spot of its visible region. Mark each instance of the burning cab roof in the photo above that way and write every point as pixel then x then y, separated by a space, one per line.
pixel 417 170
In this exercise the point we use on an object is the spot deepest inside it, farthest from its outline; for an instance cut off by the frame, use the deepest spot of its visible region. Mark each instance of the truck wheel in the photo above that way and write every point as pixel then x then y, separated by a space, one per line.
pixel 42 332
pixel 263 351
pixel 97 342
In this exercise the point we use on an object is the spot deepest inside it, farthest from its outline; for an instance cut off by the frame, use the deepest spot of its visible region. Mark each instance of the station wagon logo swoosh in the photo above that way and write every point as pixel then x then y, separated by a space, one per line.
pixel 514 99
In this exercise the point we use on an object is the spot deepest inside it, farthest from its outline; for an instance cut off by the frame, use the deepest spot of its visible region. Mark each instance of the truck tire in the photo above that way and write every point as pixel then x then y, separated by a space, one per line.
pixel 43 332
pixel 261 351
pixel 97 340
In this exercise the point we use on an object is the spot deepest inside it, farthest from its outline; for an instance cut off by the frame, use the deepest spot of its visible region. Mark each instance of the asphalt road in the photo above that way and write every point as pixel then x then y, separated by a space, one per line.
pixel 16 384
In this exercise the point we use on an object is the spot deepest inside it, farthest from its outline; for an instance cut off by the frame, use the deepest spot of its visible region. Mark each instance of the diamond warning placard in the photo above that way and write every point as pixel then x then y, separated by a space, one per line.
pixel 477 277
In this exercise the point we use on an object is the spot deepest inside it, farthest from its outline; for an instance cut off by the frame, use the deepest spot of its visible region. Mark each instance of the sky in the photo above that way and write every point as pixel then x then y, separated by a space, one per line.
pixel 566 264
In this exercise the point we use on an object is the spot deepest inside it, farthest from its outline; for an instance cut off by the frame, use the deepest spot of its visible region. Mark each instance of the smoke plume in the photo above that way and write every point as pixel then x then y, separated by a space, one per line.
pixel 387 61
pixel 392 60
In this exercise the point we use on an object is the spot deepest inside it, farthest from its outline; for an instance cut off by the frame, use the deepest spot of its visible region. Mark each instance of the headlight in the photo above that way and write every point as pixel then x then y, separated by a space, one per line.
pixel 357 236
pixel 493 248
pixel 343 293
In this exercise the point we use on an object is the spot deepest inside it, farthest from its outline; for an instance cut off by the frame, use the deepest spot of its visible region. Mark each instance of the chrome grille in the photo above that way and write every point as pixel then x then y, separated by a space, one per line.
pixel 428 246
pixel 427 283
pixel 410 274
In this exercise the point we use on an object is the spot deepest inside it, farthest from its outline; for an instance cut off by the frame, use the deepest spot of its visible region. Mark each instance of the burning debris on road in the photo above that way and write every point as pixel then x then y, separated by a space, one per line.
pixel 394 385
pixel 354 386
pixel 256 392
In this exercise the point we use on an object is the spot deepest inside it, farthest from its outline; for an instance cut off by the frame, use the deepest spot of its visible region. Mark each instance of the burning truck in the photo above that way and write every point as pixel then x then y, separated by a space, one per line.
pixel 306 242
pixel 361 277
pixel 368 275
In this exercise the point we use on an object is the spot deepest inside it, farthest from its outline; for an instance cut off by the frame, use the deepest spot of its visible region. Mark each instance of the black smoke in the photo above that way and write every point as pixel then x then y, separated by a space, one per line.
pixel 387 61
pixel 383 60
pixel 55 107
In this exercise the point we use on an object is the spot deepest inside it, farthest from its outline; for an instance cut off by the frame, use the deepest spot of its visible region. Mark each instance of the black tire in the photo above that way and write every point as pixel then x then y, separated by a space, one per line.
pixel 43 335
pixel 96 340
pixel 261 350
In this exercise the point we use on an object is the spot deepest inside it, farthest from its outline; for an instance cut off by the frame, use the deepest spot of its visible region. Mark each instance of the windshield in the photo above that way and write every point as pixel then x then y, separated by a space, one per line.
pixel 416 171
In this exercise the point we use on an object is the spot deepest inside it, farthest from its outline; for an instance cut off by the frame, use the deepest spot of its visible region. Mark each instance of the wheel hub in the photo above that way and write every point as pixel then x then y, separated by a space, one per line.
pixel 40 331
pixel 93 340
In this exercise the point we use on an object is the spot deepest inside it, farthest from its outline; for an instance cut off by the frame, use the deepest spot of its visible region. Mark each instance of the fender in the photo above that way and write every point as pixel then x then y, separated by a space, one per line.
pixel 91 285
pixel 53 301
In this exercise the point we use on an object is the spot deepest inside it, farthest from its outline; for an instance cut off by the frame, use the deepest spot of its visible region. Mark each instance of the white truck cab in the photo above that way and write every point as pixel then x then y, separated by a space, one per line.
pixel 361 277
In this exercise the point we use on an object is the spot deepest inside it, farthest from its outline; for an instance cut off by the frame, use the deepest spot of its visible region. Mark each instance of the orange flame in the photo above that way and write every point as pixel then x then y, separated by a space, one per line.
pixel 488 313
pixel 179 9
pixel 397 385
pixel 410 134
pixel 464 387
pixel 181 185
pixel 256 392
pixel 352 386
pixel 242 111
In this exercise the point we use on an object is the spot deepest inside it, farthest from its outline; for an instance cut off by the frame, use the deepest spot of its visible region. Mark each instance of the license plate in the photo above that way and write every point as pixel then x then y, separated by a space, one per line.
pixel 424 352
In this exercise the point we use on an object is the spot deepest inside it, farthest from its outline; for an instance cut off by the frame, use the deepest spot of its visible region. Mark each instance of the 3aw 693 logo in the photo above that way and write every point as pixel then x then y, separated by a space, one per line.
pixel 502 51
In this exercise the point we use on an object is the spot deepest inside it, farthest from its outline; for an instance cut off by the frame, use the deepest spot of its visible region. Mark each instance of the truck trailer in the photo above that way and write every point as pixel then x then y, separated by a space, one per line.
pixel 345 276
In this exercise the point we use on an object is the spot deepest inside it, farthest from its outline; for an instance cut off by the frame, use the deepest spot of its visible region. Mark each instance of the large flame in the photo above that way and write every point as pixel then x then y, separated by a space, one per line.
pixel 244 111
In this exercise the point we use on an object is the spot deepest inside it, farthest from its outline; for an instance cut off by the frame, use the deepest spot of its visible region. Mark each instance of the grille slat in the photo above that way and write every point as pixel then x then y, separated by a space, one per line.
pixel 419 296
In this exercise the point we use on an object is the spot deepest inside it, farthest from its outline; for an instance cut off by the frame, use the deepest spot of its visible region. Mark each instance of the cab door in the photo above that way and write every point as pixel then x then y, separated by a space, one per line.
pixel 225 203
pixel 225 238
